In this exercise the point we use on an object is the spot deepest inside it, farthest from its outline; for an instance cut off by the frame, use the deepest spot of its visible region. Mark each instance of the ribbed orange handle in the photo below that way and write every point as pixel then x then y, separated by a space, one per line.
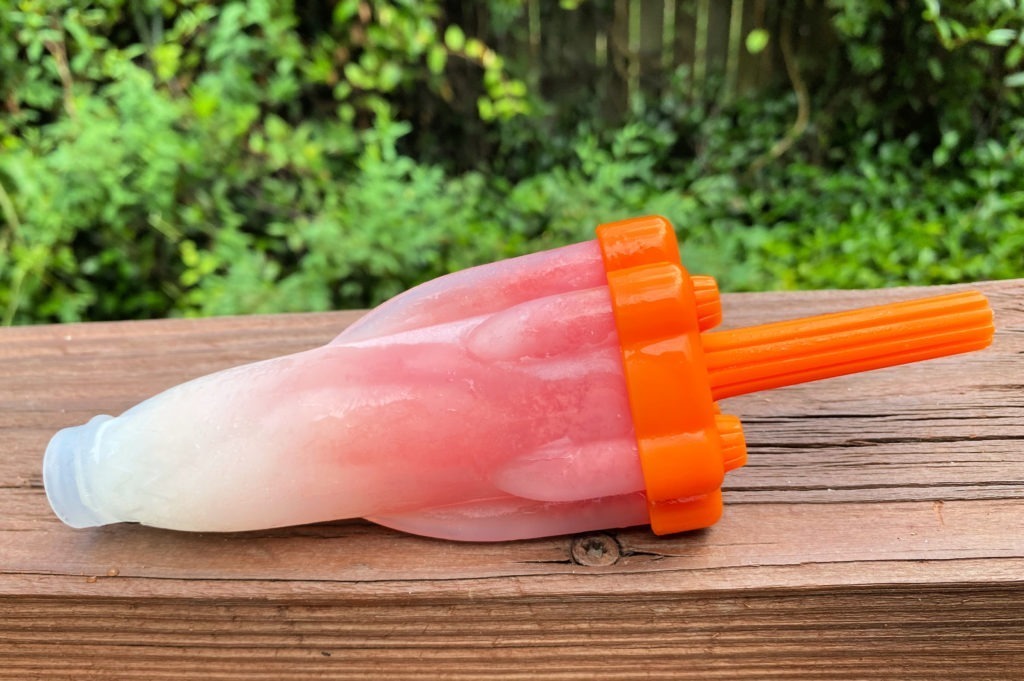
pixel 773 355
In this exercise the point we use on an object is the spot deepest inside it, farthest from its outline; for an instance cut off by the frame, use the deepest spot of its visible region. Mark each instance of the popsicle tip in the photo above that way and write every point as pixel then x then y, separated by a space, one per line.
pixel 62 466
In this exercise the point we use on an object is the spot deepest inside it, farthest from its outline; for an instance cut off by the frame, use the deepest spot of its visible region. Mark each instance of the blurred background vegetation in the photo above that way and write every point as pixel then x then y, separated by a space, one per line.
pixel 194 157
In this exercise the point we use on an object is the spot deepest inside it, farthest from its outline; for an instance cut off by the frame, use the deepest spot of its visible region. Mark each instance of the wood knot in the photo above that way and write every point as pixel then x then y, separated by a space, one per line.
pixel 595 550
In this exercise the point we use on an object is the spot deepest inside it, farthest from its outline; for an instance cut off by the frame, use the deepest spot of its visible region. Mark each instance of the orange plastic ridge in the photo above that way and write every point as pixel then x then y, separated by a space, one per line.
pixel 675 372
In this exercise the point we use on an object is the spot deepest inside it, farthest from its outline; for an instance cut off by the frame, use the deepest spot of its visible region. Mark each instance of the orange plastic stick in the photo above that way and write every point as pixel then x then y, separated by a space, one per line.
pixel 784 353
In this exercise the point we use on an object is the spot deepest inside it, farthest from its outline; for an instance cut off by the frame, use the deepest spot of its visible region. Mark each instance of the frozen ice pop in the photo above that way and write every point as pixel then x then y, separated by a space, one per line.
pixel 569 390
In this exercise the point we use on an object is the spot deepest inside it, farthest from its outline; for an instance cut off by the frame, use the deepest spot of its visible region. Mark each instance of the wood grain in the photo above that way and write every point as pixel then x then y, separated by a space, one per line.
pixel 875 534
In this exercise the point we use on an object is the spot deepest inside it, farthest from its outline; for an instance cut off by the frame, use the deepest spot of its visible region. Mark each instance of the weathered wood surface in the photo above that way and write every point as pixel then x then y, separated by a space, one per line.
pixel 876 533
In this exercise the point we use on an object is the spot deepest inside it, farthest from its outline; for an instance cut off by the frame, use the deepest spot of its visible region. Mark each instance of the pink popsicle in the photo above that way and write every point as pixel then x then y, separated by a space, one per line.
pixel 488 404
pixel 563 391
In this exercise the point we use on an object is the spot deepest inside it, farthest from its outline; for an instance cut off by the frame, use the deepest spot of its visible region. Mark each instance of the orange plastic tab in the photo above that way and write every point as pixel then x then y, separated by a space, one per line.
pixel 709 302
pixel 638 241
pixel 734 445
pixel 680 515
pixel 651 240
pixel 675 372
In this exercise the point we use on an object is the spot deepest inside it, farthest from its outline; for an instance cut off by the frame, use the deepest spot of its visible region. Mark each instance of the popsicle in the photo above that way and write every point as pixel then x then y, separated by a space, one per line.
pixel 569 390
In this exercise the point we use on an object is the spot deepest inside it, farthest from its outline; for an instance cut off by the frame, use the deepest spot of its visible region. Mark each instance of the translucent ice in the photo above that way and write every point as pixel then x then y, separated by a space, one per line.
pixel 483 405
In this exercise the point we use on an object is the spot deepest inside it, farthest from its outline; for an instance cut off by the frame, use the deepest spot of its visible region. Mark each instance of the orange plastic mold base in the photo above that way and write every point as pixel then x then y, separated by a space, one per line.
pixel 685 444
pixel 675 371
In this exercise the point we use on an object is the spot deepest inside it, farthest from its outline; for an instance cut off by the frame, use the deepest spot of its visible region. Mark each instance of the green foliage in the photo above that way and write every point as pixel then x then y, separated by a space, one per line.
pixel 197 157
pixel 926 67
pixel 200 157
pixel 888 214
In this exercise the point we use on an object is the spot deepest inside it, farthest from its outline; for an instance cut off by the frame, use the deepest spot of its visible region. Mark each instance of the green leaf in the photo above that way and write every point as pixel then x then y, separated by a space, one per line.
pixel 475 48
pixel 344 11
pixel 757 40
pixel 515 88
pixel 486 108
pixel 204 102
pixel 166 58
pixel 437 58
pixel 1014 55
pixel 1014 79
pixel 356 75
pixel 1000 36
pixel 454 38
pixel 390 76
pixel 276 128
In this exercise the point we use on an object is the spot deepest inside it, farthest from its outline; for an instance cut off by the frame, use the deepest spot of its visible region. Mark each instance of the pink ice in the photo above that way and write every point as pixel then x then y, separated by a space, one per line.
pixel 488 404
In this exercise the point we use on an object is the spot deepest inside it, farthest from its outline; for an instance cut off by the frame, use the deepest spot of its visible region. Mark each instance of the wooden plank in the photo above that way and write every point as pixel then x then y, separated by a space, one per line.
pixel 571 73
pixel 700 49
pixel 736 48
pixel 616 100
pixel 754 69
pixel 685 35
pixel 719 21
pixel 652 77
pixel 873 535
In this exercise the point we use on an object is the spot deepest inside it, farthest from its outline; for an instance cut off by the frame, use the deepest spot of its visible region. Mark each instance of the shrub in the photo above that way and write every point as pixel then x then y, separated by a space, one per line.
pixel 202 157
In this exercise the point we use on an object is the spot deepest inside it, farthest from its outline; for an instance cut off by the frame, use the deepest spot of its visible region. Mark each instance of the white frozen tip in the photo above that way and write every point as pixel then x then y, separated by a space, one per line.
pixel 68 453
